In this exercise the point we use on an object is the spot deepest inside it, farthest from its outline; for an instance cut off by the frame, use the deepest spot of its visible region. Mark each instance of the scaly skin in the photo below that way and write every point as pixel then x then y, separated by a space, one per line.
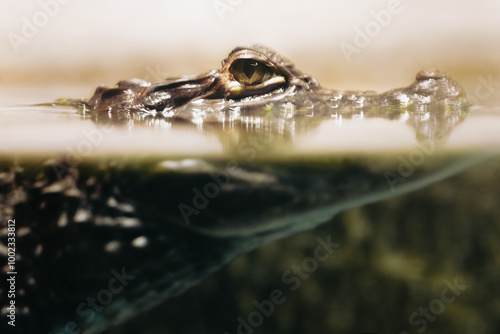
pixel 221 92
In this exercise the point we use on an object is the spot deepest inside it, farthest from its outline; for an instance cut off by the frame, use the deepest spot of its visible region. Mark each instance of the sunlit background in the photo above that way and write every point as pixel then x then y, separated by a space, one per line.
pixel 53 48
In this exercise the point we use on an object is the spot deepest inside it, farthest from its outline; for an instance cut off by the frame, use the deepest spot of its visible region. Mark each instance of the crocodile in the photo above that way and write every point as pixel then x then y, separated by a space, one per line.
pixel 254 80
pixel 258 85
pixel 99 245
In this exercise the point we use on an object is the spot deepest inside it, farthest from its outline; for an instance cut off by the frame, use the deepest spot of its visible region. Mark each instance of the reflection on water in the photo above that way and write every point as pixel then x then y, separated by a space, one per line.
pixel 258 89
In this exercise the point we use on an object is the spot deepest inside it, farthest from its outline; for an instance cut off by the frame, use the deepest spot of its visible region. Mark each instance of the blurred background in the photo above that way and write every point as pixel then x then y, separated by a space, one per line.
pixel 55 48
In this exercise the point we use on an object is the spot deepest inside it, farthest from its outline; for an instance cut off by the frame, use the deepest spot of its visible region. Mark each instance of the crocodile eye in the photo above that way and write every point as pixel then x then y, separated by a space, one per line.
pixel 250 72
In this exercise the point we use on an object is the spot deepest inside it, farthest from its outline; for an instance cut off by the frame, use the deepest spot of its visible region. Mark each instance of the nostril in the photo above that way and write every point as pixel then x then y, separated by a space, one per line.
pixel 429 73
pixel 310 80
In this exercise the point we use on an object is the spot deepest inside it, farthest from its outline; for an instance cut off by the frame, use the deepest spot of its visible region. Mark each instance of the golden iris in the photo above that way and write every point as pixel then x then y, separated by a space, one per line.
pixel 250 72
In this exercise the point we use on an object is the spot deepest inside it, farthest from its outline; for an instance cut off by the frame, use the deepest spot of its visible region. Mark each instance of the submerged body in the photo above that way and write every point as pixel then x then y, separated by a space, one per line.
pixel 102 243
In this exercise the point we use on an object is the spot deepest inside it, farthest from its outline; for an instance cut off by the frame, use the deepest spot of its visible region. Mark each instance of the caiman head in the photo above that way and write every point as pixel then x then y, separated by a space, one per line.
pixel 249 75
pixel 257 85
pixel 257 79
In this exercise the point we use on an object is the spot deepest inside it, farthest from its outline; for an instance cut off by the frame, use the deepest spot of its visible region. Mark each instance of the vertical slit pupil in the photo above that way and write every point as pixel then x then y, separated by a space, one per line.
pixel 249 68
